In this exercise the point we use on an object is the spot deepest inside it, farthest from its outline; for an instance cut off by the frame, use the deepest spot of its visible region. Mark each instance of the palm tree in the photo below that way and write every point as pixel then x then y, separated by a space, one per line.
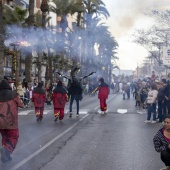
pixel 31 13
pixel 1 42
pixel 62 8
pixel 89 8
pixel 16 16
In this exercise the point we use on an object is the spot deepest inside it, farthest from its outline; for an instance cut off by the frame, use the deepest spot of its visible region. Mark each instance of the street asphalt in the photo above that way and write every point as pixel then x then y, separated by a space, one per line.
pixel 92 141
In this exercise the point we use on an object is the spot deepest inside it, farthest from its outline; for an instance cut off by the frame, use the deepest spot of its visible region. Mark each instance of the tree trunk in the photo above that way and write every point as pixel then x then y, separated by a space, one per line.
pixel 31 13
pixel 28 58
pixel 78 19
pixel 51 68
pixel 1 43
pixel 17 79
pixel 28 66
pixel 39 64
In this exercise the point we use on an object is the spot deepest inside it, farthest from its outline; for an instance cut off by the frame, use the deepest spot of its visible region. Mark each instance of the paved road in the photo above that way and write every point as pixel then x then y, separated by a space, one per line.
pixel 90 142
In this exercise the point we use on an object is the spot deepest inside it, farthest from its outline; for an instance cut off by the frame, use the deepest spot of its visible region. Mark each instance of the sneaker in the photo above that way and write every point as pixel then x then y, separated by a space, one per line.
pixel 40 118
pixel 70 115
pixel 165 168
pixel 60 118
pixel 5 155
pixel 153 121
pixel 147 121
pixel 77 115
pixel 56 118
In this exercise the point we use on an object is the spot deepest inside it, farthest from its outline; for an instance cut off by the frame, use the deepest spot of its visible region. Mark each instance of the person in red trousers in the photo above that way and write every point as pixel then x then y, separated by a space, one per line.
pixel 39 98
pixel 103 89
pixel 59 98
pixel 9 102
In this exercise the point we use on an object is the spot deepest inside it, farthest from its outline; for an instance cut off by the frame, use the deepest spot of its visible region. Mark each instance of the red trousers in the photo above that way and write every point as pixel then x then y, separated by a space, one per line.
pixel 39 111
pixel 103 105
pixel 9 138
pixel 59 111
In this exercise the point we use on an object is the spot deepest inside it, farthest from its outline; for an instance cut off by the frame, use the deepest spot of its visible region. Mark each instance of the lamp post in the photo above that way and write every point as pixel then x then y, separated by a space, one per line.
pixel 15 61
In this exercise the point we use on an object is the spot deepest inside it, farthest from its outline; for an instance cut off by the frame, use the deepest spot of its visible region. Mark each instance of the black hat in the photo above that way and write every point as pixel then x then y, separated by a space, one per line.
pixel 40 84
pixel 101 79
pixel 59 84
pixel 5 85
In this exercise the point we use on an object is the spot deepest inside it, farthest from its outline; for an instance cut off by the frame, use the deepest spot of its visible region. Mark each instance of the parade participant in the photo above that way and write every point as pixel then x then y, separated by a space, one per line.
pixel 38 99
pixel 151 103
pixel 162 143
pixel 59 98
pixel 103 89
pixel 9 101
pixel 75 93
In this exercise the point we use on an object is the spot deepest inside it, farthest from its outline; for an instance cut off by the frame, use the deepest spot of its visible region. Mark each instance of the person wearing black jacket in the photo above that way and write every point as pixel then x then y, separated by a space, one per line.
pixel 75 93
pixel 162 143
pixel 161 100
pixel 168 94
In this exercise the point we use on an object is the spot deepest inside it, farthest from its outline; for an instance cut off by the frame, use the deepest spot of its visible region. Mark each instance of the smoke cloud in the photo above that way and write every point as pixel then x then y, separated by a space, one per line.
pixel 124 14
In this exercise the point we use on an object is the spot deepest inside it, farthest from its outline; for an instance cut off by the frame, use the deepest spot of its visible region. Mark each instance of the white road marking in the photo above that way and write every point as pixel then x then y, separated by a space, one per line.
pixel 106 101
pixel 100 112
pixel 141 112
pixel 46 111
pixel 25 112
pixel 122 111
pixel 46 145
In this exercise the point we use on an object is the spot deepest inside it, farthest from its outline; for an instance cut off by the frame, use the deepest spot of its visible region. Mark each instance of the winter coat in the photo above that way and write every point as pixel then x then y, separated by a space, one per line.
pixel 167 90
pixel 161 94
pixel 59 97
pixel 103 89
pixel 9 103
pixel 160 142
pixel 75 91
pixel 143 93
pixel 152 96
pixel 38 97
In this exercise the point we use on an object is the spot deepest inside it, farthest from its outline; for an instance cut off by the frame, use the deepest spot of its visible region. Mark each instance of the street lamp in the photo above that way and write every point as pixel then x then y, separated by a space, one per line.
pixel 15 61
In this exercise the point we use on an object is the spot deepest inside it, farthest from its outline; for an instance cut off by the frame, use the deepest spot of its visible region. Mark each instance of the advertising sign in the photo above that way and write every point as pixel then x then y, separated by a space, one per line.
pixel 166 55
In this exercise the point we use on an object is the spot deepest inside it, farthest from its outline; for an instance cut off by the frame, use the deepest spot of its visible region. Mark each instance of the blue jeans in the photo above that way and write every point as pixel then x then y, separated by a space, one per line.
pixel 71 103
pixel 160 110
pixel 151 109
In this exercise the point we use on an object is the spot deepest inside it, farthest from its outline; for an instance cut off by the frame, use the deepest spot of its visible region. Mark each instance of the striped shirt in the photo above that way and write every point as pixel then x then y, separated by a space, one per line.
pixel 160 142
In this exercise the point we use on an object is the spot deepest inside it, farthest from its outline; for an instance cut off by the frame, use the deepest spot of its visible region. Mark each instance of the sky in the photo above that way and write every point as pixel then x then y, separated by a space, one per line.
pixel 125 17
